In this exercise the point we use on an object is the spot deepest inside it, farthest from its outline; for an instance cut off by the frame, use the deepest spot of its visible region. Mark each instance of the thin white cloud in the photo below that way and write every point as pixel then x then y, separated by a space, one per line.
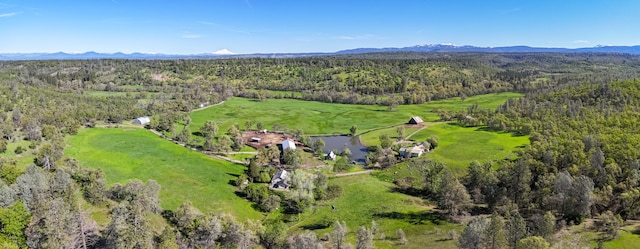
pixel 581 41
pixel 10 14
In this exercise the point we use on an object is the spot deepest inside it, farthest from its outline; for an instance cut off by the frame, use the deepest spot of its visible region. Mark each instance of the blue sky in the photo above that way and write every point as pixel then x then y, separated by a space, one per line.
pixel 252 26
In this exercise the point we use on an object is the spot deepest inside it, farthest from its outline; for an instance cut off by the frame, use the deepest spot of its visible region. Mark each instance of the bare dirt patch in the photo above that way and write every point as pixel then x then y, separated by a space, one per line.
pixel 159 77
pixel 266 139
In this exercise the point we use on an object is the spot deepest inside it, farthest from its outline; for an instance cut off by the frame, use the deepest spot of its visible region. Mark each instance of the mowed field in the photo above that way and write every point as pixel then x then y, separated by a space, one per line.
pixel 458 146
pixel 183 174
pixel 327 118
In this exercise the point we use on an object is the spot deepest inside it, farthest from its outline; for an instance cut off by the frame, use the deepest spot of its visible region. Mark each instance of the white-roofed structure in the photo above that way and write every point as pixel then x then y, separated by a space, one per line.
pixel 142 120
pixel 415 120
pixel 288 144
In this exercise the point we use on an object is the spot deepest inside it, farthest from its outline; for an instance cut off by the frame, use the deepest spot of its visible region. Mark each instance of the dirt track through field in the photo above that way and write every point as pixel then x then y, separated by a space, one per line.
pixel 369 171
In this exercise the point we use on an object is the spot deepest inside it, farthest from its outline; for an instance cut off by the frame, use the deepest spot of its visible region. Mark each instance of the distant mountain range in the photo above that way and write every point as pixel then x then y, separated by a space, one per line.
pixel 510 49
pixel 224 53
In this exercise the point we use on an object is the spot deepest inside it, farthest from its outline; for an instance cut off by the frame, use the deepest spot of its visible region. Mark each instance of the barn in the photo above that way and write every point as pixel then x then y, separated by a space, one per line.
pixel 415 120
pixel 288 144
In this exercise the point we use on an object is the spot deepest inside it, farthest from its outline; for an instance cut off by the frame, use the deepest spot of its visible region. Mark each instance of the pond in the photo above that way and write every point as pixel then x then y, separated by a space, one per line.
pixel 337 143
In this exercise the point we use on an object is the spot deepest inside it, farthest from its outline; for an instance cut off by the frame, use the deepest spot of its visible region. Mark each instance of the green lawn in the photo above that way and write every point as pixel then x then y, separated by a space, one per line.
pixel 365 198
pixel 459 146
pixel 327 118
pixel 184 175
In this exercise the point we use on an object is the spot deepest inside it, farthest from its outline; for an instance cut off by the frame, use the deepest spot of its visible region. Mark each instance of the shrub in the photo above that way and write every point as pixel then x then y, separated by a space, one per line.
pixel 18 150
pixel 333 192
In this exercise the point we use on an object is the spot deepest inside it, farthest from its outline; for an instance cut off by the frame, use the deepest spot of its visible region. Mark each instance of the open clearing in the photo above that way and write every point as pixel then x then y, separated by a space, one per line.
pixel 184 175
pixel 365 198
pixel 459 146
pixel 327 118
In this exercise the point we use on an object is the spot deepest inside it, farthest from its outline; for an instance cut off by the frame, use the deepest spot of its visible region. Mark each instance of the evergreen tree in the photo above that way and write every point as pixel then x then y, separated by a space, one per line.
pixel 516 228
pixel 495 234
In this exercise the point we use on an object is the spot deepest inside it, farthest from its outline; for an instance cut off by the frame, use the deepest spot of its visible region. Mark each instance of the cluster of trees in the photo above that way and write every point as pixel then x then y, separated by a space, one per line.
pixel 45 212
pixel 305 189
pixel 388 79
pixel 510 232
pixel 581 162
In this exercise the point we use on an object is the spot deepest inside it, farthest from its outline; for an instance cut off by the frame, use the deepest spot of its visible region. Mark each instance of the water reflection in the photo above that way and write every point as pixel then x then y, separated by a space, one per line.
pixel 338 143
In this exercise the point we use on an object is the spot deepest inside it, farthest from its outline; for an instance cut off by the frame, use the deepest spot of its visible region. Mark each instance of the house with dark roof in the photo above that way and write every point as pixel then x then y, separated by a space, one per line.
pixel 280 180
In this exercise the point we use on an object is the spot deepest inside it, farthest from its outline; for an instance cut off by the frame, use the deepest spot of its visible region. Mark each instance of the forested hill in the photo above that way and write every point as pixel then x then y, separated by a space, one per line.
pixel 400 78
pixel 585 129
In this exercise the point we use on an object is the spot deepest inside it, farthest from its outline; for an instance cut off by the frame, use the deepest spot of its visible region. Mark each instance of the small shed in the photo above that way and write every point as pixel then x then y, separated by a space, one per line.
pixel 288 144
pixel 141 120
pixel 403 152
pixel 415 120
pixel 330 156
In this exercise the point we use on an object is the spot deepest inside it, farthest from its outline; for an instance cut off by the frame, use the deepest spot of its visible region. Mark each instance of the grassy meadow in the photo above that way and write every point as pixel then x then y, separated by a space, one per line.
pixel 459 146
pixel 184 175
pixel 372 138
pixel 328 118
pixel 365 198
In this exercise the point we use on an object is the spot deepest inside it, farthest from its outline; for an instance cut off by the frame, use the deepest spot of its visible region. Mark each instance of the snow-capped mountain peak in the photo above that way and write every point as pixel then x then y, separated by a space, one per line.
pixel 223 52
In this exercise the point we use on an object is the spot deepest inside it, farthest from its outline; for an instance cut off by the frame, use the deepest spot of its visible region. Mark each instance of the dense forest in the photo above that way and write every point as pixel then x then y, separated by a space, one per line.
pixel 580 111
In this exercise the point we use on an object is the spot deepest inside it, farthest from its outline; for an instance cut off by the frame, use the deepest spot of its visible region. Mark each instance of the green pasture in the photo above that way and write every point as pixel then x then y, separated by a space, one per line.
pixel 587 235
pixel 184 175
pixel 105 93
pixel 25 158
pixel 365 198
pixel 459 146
pixel 372 138
pixel 330 118
pixel 626 240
